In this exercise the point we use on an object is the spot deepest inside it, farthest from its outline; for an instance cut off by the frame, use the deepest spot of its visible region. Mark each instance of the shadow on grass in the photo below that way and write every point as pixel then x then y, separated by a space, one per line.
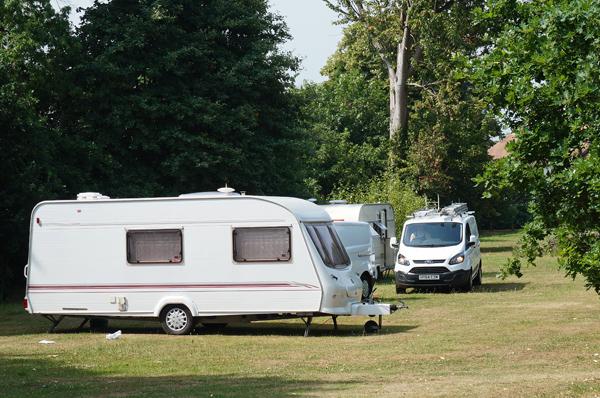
pixel 489 235
pixel 497 287
pixel 496 249
pixel 490 275
pixel 317 330
pixel 494 287
pixel 20 323
pixel 24 376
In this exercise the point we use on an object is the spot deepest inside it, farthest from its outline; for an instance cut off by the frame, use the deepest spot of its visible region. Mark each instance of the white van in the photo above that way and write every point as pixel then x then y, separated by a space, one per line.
pixel 357 240
pixel 209 258
pixel 381 218
pixel 439 248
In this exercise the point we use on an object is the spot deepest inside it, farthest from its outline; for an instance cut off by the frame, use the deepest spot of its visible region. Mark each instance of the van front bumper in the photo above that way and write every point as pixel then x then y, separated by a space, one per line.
pixel 453 279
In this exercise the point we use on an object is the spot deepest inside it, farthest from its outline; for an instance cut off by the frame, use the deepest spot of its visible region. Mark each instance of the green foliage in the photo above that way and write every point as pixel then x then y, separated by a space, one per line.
pixel 387 188
pixel 343 118
pixel 187 95
pixel 449 124
pixel 34 44
pixel 543 76
pixel 145 98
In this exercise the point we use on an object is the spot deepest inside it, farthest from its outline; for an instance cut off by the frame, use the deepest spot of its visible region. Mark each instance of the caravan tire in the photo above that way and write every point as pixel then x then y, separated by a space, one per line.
pixel 177 319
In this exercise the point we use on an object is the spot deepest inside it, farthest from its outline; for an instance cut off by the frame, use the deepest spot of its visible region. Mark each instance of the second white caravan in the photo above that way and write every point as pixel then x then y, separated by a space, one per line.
pixel 383 223
pixel 184 260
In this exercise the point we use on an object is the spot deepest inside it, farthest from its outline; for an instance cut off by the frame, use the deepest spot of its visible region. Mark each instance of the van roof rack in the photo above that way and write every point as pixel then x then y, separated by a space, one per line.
pixel 455 209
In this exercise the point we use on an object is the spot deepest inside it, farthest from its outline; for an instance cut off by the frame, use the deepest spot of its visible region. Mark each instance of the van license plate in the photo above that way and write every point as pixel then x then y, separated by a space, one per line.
pixel 427 277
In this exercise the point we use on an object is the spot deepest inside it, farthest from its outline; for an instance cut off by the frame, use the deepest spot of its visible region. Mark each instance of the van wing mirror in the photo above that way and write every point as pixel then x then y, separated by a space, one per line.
pixel 394 242
pixel 472 241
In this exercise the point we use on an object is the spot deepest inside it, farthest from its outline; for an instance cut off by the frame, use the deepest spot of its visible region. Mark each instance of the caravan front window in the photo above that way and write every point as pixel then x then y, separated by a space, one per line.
pixel 328 245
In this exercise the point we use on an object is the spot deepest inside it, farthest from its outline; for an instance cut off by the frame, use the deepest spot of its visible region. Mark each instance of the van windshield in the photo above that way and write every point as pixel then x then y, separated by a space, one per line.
pixel 328 245
pixel 437 234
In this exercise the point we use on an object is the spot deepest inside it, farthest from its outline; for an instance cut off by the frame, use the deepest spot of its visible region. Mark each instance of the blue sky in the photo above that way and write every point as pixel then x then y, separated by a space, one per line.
pixel 311 25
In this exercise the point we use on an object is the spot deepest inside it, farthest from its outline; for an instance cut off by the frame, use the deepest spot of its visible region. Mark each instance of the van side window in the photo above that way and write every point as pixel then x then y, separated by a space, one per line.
pixel 474 227
pixel 468 232
pixel 262 244
pixel 153 246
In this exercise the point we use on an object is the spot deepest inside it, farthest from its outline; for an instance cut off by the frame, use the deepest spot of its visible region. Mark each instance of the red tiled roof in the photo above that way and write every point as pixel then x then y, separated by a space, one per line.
pixel 498 150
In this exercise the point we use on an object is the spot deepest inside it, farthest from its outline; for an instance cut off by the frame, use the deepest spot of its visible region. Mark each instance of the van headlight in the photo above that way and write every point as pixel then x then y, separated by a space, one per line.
pixel 403 260
pixel 458 259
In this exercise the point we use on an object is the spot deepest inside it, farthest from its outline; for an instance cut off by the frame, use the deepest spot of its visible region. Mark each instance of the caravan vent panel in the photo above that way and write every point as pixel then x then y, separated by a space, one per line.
pixel 91 196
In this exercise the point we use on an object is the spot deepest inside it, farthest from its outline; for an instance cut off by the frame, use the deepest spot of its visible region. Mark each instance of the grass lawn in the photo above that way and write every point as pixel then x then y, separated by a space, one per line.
pixel 534 336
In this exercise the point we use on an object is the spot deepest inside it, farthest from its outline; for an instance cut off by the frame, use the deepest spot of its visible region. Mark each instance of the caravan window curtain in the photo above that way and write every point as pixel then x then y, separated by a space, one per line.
pixel 154 246
pixel 262 244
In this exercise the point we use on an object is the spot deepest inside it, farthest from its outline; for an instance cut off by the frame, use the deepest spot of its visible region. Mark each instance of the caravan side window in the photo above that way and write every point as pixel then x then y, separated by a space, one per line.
pixel 262 244
pixel 154 246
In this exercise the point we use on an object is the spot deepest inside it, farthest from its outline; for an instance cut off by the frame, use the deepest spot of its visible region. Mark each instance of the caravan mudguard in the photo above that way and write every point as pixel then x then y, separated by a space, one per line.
pixel 175 300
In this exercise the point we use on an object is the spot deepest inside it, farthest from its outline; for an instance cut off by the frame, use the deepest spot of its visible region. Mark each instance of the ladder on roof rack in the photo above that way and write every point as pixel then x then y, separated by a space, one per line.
pixel 432 204
pixel 455 209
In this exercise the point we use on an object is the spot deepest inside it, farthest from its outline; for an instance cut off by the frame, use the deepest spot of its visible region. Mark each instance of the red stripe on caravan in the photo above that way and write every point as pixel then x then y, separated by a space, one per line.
pixel 175 286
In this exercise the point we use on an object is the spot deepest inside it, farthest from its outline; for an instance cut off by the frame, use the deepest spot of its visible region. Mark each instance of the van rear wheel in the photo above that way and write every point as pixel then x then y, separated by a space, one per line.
pixel 177 320
pixel 367 285
pixel 479 277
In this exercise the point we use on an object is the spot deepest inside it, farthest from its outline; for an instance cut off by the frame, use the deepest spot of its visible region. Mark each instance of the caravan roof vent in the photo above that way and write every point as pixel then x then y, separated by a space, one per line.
pixel 338 202
pixel 91 196
pixel 226 189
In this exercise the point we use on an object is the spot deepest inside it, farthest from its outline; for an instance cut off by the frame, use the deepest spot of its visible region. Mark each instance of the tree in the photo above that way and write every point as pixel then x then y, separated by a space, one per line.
pixel 35 43
pixel 542 75
pixel 449 125
pixel 391 29
pixel 344 118
pixel 147 97
pixel 179 96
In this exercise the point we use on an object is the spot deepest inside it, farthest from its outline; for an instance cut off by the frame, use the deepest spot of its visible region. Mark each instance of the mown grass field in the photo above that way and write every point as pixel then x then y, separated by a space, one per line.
pixel 534 336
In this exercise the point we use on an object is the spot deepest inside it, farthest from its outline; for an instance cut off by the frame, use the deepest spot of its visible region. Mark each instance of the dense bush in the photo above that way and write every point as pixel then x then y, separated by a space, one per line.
pixel 387 188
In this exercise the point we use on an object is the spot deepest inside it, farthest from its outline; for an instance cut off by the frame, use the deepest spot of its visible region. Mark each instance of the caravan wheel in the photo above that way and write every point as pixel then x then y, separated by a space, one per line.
pixel 177 319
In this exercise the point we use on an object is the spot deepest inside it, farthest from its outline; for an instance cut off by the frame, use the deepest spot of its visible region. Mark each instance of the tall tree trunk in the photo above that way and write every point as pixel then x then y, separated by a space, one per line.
pixel 398 82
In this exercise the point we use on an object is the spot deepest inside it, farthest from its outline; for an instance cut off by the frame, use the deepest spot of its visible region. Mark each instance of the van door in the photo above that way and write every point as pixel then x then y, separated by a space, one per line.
pixel 469 250
pixel 473 253
pixel 477 247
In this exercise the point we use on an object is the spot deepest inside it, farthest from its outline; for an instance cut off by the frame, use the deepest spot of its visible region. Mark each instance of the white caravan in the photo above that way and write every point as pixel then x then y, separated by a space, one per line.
pixel 357 240
pixel 439 248
pixel 213 258
pixel 381 218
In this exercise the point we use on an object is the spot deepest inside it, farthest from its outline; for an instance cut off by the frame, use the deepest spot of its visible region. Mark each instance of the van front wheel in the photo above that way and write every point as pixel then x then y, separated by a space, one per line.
pixel 177 320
